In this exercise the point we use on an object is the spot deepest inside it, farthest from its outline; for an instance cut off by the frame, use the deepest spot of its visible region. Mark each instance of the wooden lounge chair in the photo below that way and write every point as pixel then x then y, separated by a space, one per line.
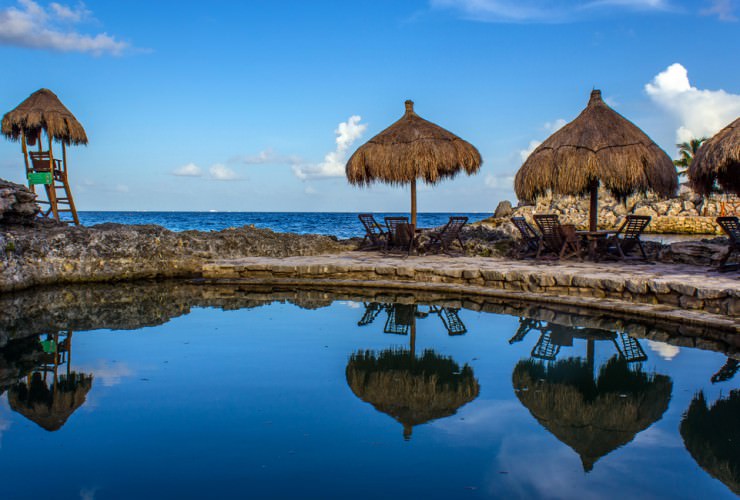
pixel 530 239
pixel 627 236
pixel 562 242
pixel 375 236
pixel 731 226
pixel 442 240
pixel 400 235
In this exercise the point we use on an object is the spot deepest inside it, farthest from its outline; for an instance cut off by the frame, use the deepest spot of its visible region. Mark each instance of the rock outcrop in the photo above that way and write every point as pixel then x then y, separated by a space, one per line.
pixel 17 204
pixel 107 252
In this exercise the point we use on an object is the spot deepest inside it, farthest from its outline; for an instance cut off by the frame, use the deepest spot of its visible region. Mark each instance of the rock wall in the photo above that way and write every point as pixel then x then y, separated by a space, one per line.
pixel 108 252
pixel 17 204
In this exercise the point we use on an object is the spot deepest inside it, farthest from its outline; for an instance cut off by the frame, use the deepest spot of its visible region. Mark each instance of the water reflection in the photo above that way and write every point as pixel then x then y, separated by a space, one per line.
pixel 593 416
pixel 46 396
pixel 712 436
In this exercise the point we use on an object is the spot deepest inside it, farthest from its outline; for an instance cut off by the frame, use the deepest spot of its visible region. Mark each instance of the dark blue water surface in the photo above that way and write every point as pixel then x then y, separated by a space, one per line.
pixel 221 392
pixel 341 224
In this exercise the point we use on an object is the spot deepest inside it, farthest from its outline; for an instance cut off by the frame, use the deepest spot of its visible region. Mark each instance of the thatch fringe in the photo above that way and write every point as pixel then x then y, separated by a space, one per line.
pixel 43 110
pixel 718 161
pixel 412 148
pixel 600 144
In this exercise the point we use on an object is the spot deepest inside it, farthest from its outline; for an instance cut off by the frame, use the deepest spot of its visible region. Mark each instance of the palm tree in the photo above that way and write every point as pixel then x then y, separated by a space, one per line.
pixel 687 150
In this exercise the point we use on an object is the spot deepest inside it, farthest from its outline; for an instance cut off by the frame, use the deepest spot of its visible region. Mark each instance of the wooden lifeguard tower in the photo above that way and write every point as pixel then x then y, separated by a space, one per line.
pixel 44 112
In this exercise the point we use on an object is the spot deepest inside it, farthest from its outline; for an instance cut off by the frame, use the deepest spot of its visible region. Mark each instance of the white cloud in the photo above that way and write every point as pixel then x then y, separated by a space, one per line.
pixel 723 9
pixel 221 172
pixel 268 156
pixel 189 170
pixel 121 188
pixel 553 127
pixel 537 11
pixel 32 26
pixel 334 162
pixel 505 181
pixel 696 112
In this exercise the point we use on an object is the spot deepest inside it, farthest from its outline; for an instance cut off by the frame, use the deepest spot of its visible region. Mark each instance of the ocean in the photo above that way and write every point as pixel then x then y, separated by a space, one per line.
pixel 340 224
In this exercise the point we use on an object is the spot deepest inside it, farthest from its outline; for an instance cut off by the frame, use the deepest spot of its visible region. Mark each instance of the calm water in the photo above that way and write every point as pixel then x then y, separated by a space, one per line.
pixel 341 224
pixel 184 391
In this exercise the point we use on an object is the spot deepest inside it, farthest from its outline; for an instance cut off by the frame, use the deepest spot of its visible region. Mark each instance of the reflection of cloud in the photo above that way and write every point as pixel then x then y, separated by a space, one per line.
pixel 485 420
pixel 350 304
pixel 655 437
pixel 88 493
pixel 665 351
pixel 4 421
pixel 108 373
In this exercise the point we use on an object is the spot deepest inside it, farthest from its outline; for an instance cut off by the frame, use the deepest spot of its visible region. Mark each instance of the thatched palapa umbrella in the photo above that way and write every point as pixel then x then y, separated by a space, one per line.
pixel 599 147
pixel 593 417
pixel 718 161
pixel 413 390
pixel 410 149
pixel 43 110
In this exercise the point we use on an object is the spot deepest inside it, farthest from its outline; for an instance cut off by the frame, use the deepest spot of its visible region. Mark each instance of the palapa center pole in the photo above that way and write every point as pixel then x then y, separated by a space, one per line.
pixel 413 203
pixel 593 212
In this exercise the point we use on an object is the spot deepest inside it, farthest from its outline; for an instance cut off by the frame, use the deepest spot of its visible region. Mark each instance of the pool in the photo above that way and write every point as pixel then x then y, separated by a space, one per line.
pixel 177 390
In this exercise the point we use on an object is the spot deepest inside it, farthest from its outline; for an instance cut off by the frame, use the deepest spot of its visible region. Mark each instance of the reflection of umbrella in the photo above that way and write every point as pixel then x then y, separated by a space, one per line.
pixel 50 407
pixel 712 436
pixel 410 149
pixel 599 147
pixel 718 160
pixel 412 390
pixel 593 417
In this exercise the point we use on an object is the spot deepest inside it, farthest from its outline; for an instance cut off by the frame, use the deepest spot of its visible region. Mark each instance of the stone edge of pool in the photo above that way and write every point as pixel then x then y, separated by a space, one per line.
pixel 671 292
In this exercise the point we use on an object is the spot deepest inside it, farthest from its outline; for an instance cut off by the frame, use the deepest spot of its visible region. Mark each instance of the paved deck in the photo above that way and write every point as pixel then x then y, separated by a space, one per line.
pixel 645 289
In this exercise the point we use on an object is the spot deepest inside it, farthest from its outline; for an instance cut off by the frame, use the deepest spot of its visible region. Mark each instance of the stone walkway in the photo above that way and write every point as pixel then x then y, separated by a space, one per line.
pixel 606 285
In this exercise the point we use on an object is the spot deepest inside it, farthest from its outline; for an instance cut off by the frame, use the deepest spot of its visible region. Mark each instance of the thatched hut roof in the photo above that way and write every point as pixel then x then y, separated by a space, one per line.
pixel 43 111
pixel 50 407
pixel 411 390
pixel 600 144
pixel 412 148
pixel 711 435
pixel 592 417
pixel 718 160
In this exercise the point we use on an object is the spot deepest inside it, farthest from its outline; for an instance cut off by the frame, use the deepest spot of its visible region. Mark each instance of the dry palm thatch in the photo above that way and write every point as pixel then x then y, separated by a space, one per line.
pixel 711 435
pixel 50 407
pixel 592 417
pixel 411 390
pixel 599 147
pixel 43 111
pixel 718 161
pixel 410 149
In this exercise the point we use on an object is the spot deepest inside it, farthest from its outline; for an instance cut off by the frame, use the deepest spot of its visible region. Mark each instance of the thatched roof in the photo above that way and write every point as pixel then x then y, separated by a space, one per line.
pixel 411 390
pixel 718 160
pixel 600 144
pixel 711 435
pixel 592 417
pixel 47 406
pixel 412 148
pixel 43 111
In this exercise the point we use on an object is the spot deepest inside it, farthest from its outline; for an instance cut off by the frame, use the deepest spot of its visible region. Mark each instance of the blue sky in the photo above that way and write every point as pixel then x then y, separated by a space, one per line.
pixel 256 105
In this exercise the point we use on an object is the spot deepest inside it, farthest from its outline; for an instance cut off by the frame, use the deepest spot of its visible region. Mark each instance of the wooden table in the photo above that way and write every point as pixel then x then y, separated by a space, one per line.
pixel 592 239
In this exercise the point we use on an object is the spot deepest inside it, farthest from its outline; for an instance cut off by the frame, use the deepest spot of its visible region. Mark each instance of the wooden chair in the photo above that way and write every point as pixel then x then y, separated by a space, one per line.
pixel 563 242
pixel 400 235
pixel 375 236
pixel 627 236
pixel 530 239
pixel 442 240
pixel 731 227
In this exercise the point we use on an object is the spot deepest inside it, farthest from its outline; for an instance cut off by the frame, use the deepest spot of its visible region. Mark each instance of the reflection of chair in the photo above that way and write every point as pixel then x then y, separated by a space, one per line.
pixel 526 325
pixel 400 319
pixel 545 348
pixel 530 239
pixel 374 234
pixel 727 371
pixel 554 238
pixel 372 309
pixel 400 235
pixel 451 320
pixel 630 348
pixel 628 236
pixel 731 226
pixel 442 240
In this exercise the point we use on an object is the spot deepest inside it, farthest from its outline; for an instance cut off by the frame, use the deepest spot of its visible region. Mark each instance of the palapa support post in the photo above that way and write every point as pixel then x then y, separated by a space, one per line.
pixel 593 213
pixel 51 193
pixel 413 203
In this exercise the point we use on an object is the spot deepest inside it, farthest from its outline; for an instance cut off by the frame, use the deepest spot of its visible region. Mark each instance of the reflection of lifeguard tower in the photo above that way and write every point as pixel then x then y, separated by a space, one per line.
pixel 44 112
pixel 47 397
